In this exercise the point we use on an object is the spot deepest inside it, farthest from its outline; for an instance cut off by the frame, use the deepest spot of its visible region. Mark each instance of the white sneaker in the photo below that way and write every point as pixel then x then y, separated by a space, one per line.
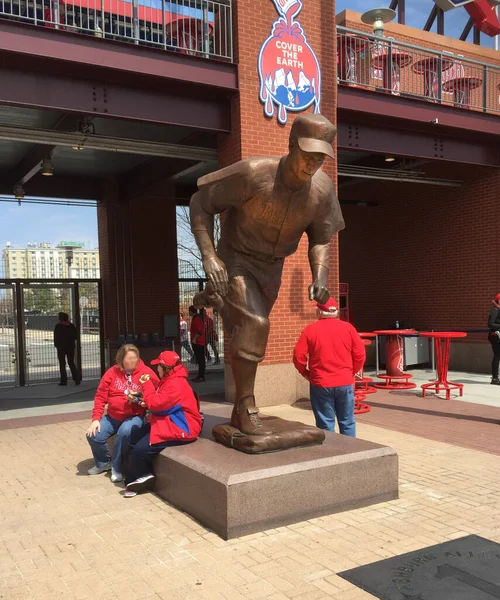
pixel 97 470
pixel 129 494
pixel 140 484
pixel 115 476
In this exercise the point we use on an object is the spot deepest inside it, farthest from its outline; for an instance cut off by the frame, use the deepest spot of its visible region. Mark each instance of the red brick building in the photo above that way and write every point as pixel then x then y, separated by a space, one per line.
pixel 157 101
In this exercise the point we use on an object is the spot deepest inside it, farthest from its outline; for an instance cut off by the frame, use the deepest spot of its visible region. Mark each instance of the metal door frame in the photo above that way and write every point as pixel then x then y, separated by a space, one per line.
pixel 18 286
pixel 10 286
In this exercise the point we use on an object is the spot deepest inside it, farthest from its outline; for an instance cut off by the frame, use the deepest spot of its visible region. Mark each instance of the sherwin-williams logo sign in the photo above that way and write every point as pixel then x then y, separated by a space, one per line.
pixel 290 77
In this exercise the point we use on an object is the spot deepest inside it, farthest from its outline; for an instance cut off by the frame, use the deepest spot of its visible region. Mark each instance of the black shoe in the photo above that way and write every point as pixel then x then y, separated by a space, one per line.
pixel 78 382
pixel 495 381
pixel 63 384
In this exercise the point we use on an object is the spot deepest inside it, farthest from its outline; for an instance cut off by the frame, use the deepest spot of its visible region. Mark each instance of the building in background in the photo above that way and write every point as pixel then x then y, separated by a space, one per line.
pixel 67 260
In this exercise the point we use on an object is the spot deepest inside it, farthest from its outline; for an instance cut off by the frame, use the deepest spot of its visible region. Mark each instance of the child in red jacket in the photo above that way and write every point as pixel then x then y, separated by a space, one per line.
pixel 122 418
pixel 174 419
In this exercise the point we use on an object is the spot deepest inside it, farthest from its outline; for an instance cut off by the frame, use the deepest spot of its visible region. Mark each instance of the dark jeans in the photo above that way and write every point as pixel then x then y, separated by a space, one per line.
pixel 199 352
pixel 495 344
pixel 68 354
pixel 143 452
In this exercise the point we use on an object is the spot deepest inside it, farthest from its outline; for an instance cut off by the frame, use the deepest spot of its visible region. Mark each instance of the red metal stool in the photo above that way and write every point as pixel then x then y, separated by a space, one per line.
pixel 395 378
pixel 442 345
pixel 362 382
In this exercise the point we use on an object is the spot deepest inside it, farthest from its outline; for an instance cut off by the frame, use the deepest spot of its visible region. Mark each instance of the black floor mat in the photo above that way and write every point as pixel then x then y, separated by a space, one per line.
pixel 464 569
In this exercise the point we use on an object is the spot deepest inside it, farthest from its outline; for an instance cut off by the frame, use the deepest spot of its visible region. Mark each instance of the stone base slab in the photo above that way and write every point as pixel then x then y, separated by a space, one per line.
pixel 236 494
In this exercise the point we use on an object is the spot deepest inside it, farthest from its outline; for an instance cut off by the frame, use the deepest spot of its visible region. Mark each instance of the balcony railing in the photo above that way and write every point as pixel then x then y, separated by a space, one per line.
pixel 198 27
pixel 389 66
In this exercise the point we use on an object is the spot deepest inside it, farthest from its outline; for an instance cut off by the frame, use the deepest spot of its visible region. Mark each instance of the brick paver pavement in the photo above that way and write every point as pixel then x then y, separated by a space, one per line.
pixel 66 535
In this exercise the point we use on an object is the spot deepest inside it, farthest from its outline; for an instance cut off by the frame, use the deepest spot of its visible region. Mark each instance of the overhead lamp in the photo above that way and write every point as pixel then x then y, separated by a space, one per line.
pixel 78 147
pixel 377 17
pixel 389 159
pixel 19 193
pixel 47 168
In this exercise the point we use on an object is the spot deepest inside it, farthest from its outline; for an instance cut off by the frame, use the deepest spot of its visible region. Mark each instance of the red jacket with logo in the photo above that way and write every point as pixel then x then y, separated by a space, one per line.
pixel 111 392
pixel 335 351
pixel 174 409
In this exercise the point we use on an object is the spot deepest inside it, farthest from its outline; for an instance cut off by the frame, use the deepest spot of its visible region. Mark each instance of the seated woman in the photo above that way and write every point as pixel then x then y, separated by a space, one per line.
pixel 123 417
pixel 174 419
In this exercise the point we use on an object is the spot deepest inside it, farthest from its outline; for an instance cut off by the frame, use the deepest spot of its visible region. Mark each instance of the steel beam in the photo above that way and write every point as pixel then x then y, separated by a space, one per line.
pixel 376 106
pixel 104 55
pixel 70 139
pixel 83 188
pixel 22 87
pixel 405 142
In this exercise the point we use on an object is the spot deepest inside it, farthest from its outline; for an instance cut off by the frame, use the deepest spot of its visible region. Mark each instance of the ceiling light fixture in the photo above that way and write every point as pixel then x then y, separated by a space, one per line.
pixel 47 168
pixel 389 159
pixel 19 193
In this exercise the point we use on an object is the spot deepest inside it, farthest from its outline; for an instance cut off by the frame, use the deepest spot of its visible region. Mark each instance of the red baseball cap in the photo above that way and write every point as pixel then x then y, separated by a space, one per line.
pixel 329 306
pixel 167 359
pixel 497 297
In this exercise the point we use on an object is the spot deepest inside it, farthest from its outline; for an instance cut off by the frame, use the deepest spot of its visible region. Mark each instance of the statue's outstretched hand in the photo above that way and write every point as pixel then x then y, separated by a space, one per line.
pixel 217 274
pixel 318 292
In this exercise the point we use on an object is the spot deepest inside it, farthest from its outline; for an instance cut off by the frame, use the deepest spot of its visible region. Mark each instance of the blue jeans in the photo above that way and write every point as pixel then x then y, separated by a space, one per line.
pixel 328 402
pixel 122 430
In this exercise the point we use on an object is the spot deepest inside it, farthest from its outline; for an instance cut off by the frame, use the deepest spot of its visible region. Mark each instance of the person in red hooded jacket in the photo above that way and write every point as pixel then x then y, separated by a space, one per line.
pixel 122 417
pixel 174 419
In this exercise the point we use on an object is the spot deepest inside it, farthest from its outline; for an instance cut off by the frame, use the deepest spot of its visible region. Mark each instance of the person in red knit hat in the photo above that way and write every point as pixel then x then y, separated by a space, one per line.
pixel 494 338
pixel 174 419
pixel 328 354
pixel 121 418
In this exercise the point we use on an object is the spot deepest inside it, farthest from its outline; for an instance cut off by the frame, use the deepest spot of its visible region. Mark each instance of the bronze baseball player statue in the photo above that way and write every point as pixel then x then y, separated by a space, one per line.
pixel 269 204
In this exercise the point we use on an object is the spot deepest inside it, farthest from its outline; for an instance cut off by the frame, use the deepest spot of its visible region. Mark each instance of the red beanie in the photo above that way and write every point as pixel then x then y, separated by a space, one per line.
pixel 329 306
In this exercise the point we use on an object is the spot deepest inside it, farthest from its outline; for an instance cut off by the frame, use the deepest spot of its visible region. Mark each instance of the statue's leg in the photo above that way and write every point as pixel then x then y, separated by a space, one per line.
pixel 246 316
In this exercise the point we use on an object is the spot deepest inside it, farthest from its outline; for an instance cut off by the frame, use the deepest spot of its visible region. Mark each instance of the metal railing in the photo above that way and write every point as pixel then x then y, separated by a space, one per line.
pixel 197 27
pixel 390 66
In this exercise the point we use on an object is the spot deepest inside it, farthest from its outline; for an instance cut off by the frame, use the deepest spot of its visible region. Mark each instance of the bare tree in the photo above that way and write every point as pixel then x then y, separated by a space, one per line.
pixel 189 253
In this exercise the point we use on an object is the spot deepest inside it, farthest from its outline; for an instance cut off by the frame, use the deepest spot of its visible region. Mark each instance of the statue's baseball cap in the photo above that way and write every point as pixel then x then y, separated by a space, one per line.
pixel 167 359
pixel 314 133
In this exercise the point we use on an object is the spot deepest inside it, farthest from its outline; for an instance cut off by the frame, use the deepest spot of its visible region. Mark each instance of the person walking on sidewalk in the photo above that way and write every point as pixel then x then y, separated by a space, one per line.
pixel 65 336
pixel 122 418
pixel 494 338
pixel 185 336
pixel 198 342
pixel 328 354
pixel 174 419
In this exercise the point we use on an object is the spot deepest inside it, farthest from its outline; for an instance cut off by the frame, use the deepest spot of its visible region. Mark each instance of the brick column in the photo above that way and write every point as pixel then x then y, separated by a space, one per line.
pixel 138 252
pixel 253 135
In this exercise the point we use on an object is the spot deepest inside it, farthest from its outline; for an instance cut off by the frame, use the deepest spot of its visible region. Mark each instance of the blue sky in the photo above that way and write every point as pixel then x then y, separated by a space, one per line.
pixel 46 223
pixel 417 12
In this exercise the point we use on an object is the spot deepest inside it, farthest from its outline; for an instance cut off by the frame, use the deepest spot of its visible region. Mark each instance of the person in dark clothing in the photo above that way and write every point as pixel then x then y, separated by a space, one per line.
pixel 494 337
pixel 198 342
pixel 65 336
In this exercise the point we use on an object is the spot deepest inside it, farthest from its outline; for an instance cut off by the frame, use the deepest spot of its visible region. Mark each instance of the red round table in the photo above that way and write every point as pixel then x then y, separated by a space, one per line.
pixel 395 378
pixel 390 63
pixel 461 88
pixel 429 67
pixel 442 344
pixel 362 382
pixel 349 46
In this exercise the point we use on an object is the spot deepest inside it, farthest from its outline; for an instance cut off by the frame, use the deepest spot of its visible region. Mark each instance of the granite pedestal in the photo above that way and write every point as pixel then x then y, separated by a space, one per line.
pixel 236 494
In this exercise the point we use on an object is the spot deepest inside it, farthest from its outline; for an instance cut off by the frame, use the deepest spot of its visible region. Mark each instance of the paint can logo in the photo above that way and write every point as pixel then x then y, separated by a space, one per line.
pixel 290 77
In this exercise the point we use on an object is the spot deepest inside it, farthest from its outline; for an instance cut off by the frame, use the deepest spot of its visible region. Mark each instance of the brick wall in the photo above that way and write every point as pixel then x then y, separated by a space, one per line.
pixel 427 255
pixel 254 135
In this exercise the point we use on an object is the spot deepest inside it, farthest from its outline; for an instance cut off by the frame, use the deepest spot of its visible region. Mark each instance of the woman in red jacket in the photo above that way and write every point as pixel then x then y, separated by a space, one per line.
pixel 174 419
pixel 122 418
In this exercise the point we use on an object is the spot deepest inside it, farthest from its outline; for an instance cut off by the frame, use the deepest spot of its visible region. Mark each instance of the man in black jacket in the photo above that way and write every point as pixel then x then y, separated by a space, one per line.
pixel 494 337
pixel 65 336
